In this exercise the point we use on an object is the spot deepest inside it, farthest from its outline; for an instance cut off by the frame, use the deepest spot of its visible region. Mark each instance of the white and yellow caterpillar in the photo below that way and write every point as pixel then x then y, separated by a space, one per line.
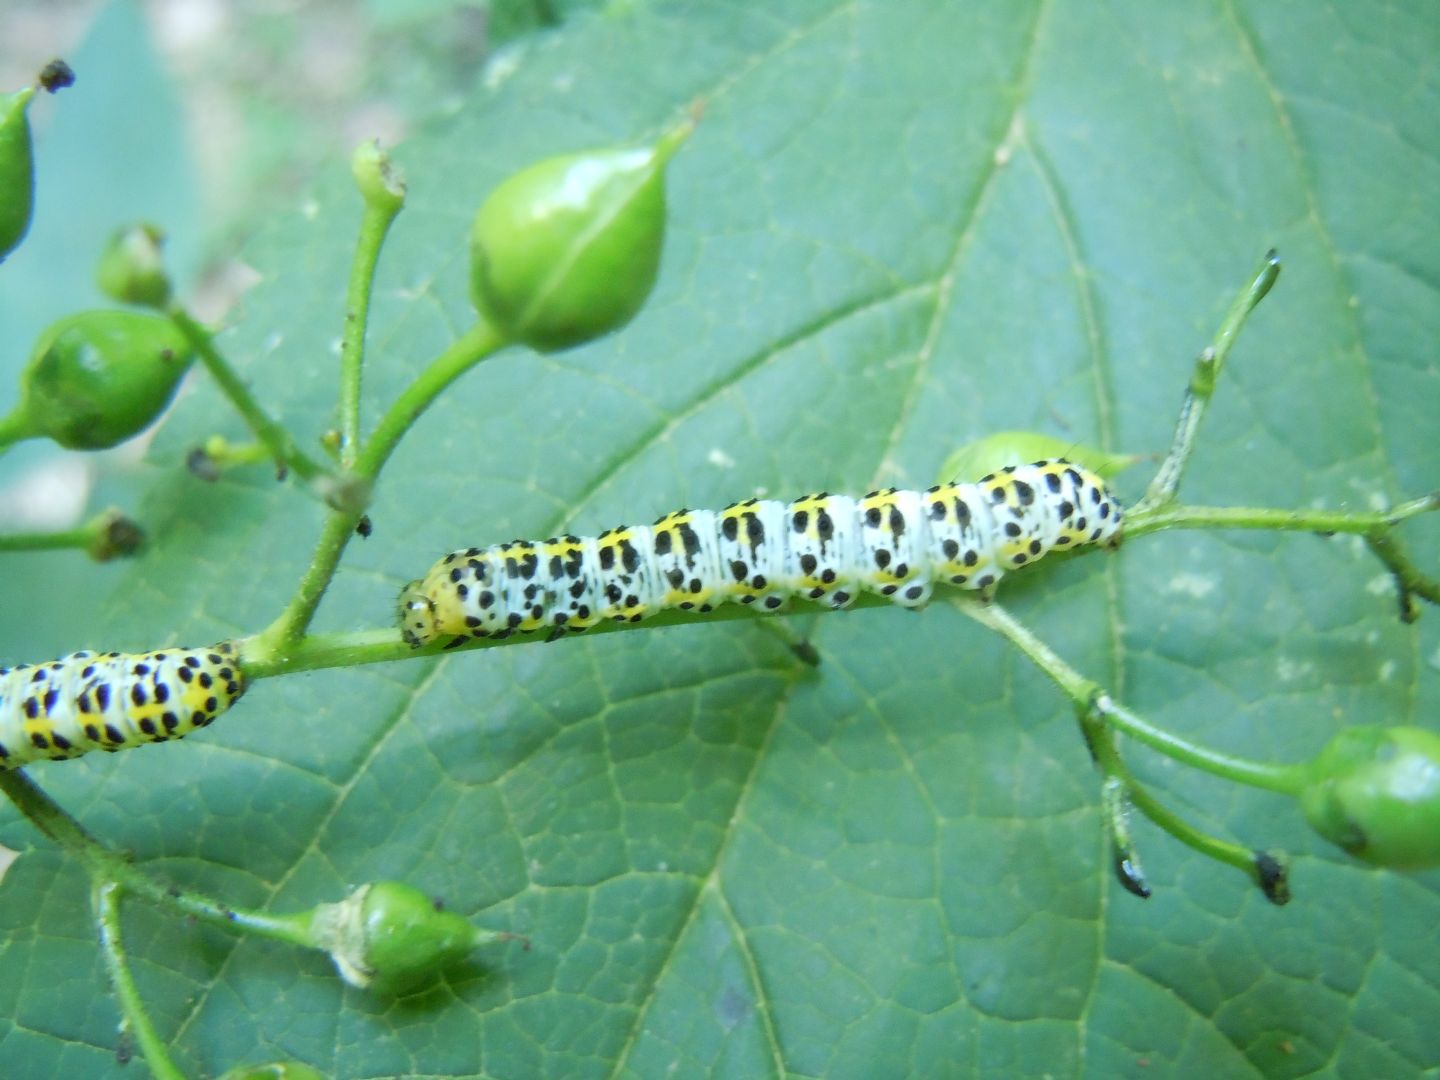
pixel 827 548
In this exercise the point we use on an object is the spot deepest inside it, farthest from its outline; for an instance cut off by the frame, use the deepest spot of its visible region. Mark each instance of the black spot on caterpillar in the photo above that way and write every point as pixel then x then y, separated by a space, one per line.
pixel 112 701
pixel 828 548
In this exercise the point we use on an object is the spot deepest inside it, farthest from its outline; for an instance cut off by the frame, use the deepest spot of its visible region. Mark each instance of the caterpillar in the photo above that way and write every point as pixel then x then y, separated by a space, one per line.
pixel 112 701
pixel 826 548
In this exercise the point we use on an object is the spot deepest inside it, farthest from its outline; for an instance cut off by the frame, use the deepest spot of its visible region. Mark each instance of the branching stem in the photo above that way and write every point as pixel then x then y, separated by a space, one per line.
pixel 286 634
pixel 1202 385
pixel 1409 581
pixel 477 343
pixel 1101 716
pixel 107 865
pixel 281 443
pixel 105 899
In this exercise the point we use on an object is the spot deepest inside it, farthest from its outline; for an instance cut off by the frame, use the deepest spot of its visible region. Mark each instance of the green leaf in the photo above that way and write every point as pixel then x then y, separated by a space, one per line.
pixel 898 227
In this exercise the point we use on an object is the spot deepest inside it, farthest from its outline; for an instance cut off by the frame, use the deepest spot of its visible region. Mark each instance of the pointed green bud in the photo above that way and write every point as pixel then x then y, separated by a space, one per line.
pixel 275 1070
pixel 96 378
pixel 132 267
pixel 1375 791
pixel 17 169
pixel 568 250
pixel 380 181
pixel 994 452
pixel 390 936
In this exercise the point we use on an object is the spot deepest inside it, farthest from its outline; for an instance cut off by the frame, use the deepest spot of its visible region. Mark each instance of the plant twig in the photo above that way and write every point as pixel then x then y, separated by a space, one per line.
pixel 281 444
pixel 105 899
pixel 1147 519
pixel 283 635
pixel 106 865
pixel 1202 385
pixel 375 223
pixel 1100 717
pixel 107 535
pixel 477 343
pixel 1409 581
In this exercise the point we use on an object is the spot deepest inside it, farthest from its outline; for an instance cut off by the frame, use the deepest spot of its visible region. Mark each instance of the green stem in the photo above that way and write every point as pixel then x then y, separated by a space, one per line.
pixel 1115 806
pixel 1147 519
pixel 105 536
pixel 281 443
pixel 1088 695
pixel 1266 869
pixel 106 865
pixel 1282 779
pixel 374 225
pixel 263 659
pixel 477 343
pixel 285 635
pixel 105 898
pixel 16 427
pixel 1409 581
pixel 78 537
pixel 1202 385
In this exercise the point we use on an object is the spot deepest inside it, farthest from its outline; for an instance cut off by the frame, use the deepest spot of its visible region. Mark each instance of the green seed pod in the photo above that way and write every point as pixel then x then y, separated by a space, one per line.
pixel 96 378
pixel 132 269
pixel 994 452
pixel 275 1070
pixel 568 249
pixel 17 169
pixel 1375 791
pixel 392 937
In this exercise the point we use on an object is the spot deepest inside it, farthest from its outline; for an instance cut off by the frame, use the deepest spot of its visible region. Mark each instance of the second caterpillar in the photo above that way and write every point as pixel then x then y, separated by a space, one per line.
pixel 826 548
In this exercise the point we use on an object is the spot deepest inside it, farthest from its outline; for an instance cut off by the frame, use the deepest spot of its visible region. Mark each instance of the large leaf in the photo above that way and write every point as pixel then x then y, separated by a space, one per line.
pixel 899 226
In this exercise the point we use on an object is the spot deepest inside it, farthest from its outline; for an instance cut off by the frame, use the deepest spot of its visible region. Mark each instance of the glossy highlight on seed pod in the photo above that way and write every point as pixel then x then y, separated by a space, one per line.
pixel 1375 791
pixel 568 250
pixel 97 378
pixel 17 169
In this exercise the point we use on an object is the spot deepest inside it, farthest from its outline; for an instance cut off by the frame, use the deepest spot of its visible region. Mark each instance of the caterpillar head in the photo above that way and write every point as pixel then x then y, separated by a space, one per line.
pixel 417 616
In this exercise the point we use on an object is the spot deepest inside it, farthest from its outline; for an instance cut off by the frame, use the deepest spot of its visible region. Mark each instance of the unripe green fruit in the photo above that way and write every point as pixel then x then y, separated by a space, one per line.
pixel 568 249
pixel 1375 791
pixel 993 452
pixel 17 169
pixel 96 378
pixel 408 940
pixel 391 937
pixel 132 269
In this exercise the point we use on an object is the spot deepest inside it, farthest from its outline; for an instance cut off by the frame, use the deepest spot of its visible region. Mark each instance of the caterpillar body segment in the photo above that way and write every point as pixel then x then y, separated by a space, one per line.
pixel 826 548
pixel 112 701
